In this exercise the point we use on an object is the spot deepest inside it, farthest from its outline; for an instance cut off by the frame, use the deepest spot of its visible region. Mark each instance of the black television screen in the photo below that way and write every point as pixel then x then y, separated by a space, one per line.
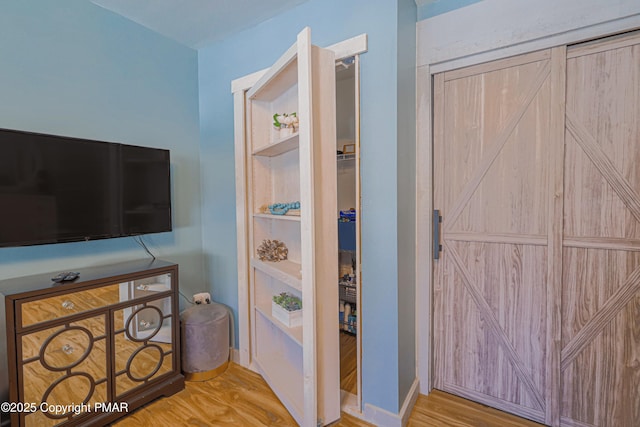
pixel 57 189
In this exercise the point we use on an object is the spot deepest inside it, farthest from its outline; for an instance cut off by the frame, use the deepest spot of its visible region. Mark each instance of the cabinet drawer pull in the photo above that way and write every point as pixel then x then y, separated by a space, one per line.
pixel 144 324
pixel 69 305
pixel 67 348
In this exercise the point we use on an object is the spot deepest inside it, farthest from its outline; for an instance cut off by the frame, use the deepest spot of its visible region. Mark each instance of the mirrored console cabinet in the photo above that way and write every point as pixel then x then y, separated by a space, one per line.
pixel 111 336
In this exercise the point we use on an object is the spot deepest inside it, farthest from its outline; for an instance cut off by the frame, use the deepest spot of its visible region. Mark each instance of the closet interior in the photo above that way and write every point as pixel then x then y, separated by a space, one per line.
pixel 348 212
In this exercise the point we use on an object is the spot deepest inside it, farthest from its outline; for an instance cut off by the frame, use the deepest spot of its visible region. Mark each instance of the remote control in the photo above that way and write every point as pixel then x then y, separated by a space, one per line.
pixel 66 276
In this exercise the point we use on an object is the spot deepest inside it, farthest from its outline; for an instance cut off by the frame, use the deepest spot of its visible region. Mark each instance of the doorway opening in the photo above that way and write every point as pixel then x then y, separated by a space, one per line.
pixel 348 203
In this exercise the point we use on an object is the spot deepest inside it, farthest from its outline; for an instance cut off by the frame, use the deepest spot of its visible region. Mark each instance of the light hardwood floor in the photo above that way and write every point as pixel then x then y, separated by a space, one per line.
pixel 440 409
pixel 240 397
pixel 348 363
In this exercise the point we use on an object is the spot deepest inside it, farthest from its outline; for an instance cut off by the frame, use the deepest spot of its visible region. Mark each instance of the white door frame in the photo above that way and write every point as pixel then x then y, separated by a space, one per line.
pixel 468 36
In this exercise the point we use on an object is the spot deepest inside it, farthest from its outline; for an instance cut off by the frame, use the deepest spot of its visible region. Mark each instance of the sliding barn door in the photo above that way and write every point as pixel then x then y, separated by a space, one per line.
pixel 601 255
pixel 537 289
pixel 494 160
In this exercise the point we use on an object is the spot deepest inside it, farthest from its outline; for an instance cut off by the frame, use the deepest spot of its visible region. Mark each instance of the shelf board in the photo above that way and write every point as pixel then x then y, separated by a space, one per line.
pixel 288 381
pixel 279 147
pixel 342 157
pixel 294 333
pixel 288 272
pixel 281 76
pixel 295 218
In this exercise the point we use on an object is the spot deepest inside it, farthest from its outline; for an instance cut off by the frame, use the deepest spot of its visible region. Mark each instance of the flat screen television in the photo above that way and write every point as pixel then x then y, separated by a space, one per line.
pixel 57 189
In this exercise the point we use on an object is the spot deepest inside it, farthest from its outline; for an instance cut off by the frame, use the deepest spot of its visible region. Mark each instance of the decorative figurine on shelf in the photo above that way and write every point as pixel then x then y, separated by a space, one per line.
pixel 286 123
pixel 272 250
pixel 292 208
pixel 284 208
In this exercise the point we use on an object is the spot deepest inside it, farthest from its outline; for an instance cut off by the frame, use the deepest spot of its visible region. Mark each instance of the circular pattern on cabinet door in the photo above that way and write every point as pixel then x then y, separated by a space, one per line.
pixel 67 390
pixel 66 348
pixel 141 361
pixel 144 323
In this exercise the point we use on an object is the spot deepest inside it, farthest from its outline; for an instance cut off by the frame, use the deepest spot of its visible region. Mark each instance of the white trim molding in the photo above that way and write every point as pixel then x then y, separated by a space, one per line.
pixel 234 355
pixel 409 402
pixel 515 27
pixel 481 32
pixel 382 417
pixel 344 49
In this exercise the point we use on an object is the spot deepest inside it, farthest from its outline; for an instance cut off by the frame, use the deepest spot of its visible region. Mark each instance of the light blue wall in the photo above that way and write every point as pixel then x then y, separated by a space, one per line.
pixel 72 68
pixel 439 7
pixel 406 195
pixel 331 21
pixel 81 71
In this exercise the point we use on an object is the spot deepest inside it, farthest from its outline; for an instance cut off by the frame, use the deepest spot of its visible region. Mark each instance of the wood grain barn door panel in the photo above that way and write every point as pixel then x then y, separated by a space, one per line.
pixel 492 174
pixel 600 361
pixel 537 176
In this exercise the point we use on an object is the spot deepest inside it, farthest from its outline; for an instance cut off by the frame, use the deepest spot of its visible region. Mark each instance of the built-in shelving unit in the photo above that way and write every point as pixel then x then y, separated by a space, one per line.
pixel 282 145
pixel 299 363
pixel 295 218
pixel 294 333
pixel 343 157
pixel 280 371
pixel 287 272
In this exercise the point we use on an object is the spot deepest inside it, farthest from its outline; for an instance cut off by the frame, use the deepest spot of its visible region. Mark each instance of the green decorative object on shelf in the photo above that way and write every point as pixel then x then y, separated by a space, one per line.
pixel 288 301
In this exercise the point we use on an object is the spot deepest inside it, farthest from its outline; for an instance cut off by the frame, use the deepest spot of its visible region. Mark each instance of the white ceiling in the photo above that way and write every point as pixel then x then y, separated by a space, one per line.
pixel 197 22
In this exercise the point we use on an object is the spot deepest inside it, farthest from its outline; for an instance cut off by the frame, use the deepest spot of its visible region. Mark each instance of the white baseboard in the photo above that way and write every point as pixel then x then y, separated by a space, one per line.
pixel 234 355
pixel 384 418
pixel 349 404
pixel 381 417
pixel 409 402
